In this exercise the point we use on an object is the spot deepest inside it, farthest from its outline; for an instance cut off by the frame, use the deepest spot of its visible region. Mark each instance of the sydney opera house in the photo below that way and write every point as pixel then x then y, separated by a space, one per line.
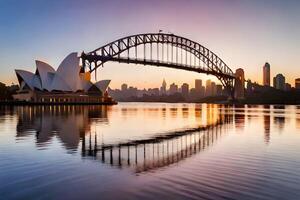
pixel 67 84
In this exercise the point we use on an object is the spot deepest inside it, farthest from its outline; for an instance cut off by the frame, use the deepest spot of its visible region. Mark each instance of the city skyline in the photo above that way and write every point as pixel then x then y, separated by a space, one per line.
pixel 239 41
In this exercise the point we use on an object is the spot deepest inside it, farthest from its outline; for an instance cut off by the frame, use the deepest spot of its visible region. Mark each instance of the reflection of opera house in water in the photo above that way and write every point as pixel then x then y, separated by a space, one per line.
pixel 68 124
pixel 68 84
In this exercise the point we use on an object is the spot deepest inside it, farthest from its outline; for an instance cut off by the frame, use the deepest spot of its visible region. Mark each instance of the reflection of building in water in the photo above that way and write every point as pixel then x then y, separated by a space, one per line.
pixel 198 112
pixel 267 123
pixel 185 112
pixel 68 123
pixel 173 112
pixel 298 117
pixel 239 116
pixel 159 151
pixel 279 118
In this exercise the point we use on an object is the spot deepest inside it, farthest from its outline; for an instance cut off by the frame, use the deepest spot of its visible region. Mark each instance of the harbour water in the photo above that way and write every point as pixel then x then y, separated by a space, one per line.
pixel 150 151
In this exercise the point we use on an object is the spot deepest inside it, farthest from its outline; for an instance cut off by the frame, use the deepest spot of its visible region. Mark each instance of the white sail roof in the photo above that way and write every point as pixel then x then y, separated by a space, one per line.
pixel 25 76
pixel 36 82
pixel 69 70
pixel 67 78
pixel 44 71
pixel 102 85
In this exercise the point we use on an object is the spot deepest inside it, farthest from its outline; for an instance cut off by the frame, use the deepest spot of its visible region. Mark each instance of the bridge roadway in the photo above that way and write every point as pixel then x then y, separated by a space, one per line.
pixel 160 63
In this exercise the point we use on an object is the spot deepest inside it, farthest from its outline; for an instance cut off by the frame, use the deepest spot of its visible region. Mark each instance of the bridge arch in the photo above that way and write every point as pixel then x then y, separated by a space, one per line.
pixel 213 65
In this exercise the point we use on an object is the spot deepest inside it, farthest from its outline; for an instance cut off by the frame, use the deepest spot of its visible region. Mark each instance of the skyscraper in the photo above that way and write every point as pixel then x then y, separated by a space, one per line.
pixel 213 89
pixel 208 91
pixel 239 84
pixel 199 89
pixel 297 83
pixel 185 90
pixel 266 74
pixel 279 82
pixel 198 84
pixel 173 88
pixel 219 89
pixel 163 88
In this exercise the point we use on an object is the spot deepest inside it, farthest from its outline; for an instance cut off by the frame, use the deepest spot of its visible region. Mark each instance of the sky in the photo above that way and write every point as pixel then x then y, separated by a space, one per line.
pixel 243 33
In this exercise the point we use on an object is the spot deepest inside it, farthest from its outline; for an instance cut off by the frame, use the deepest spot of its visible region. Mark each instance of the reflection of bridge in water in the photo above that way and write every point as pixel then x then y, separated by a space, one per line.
pixel 159 151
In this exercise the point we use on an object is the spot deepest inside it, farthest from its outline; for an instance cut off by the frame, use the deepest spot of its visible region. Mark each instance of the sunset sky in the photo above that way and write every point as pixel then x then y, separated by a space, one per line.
pixel 243 33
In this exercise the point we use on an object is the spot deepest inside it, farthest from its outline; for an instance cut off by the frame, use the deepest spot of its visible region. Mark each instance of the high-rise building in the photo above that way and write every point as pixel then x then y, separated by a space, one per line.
pixel 198 84
pixel 124 87
pixel 219 89
pixel 213 89
pixel 163 88
pixel 297 83
pixel 199 89
pixel 279 82
pixel 208 91
pixel 173 88
pixel 185 89
pixel 239 84
pixel 266 74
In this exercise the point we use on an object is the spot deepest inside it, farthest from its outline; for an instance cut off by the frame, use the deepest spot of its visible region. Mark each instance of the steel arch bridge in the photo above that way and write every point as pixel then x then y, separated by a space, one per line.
pixel 164 50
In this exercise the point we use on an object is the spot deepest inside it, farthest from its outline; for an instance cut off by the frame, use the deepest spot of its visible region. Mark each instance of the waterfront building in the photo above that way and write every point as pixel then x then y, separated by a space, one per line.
pixel 266 74
pixel 219 89
pixel 132 92
pixel 287 87
pixel 153 91
pixel 124 87
pixel 297 83
pixel 198 84
pixel 208 91
pixel 185 90
pixel 199 89
pixel 66 84
pixel 213 89
pixel 173 88
pixel 239 84
pixel 163 88
pixel 279 82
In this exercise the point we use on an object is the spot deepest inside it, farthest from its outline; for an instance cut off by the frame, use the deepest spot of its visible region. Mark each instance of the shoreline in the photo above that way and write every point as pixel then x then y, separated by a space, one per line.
pixel 24 103
pixel 21 103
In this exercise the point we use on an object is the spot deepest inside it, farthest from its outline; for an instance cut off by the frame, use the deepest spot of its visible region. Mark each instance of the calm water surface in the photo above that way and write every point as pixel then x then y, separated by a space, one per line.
pixel 150 151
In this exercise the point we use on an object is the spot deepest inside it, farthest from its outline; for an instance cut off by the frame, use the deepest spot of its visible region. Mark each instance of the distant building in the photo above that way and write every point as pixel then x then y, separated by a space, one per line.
pixel 199 89
pixel 173 88
pixel 266 74
pixel 124 87
pixel 287 87
pixel 219 89
pixel 213 89
pixel 297 83
pixel 279 82
pixel 132 92
pixel 185 90
pixel 239 84
pixel 198 84
pixel 208 89
pixel 163 88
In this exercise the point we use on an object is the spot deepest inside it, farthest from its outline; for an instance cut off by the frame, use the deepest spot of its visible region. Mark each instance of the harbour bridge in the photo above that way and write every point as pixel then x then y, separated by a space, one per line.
pixel 162 50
